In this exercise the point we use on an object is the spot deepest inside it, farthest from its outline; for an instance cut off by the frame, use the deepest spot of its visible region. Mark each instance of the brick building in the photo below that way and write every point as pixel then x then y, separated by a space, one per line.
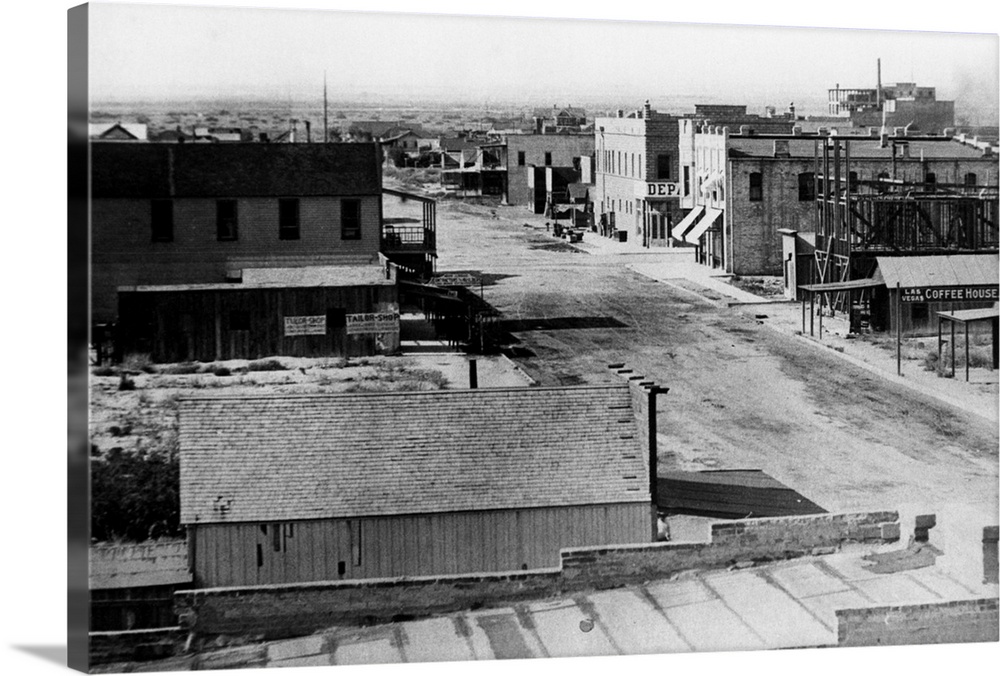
pixel 409 483
pixel 167 214
pixel 745 189
pixel 539 167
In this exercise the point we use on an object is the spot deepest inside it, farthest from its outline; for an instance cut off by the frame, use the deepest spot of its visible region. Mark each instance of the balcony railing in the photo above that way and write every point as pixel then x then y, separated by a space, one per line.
pixel 407 238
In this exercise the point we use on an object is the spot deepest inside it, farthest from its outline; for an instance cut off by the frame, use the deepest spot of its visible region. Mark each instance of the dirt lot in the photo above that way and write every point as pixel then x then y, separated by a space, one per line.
pixel 741 395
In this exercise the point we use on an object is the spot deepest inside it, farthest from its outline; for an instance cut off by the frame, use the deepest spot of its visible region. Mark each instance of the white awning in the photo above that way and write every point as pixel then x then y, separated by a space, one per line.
pixel 687 222
pixel 704 224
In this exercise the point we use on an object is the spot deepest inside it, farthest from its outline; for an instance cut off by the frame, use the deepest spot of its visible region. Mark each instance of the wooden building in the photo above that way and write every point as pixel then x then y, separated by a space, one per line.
pixel 281 489
pixel 132 585
pixel 332 311
pixel 190 213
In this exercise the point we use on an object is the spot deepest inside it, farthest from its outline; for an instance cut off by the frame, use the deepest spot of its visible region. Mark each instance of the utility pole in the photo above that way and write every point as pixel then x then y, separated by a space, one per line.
pixel 326 130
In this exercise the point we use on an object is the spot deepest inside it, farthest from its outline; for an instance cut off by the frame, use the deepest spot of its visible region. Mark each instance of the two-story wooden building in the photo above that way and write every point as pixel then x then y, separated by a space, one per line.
pixel 167 218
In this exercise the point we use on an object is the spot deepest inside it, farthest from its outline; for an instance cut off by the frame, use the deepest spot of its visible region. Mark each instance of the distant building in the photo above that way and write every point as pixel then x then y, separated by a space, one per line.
pixel 903 104
pixel 180 214
pixel 559 120
pixel 539 167
pixel 118 131
pixel 408 483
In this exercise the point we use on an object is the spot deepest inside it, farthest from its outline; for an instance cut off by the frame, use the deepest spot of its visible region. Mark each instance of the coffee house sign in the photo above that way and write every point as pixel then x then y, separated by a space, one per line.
pixel 944 294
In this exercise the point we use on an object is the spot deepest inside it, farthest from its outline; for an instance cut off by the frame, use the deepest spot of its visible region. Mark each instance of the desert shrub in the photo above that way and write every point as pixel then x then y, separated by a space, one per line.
pixel 135 495
pixel 126 383
pixel 222 371
pixel 266 365
pixel 931 361
pixel 182 369
pixel 105 371
pixel 138 362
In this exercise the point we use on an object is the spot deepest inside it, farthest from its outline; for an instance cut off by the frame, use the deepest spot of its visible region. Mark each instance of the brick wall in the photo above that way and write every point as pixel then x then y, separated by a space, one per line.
pixel 967 621
pixel 143 644
pixel 289 609
pixel 563 147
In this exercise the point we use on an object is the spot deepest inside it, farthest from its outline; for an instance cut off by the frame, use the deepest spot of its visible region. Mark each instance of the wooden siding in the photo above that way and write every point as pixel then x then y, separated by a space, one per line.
pixel 187 325
pixel 430 544
pixel 124 253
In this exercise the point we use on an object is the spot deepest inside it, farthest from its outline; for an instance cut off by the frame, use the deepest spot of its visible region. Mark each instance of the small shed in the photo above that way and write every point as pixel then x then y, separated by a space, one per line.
pixel 280 489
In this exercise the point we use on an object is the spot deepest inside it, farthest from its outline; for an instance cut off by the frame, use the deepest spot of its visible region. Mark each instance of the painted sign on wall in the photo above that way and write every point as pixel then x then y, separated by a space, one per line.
pixel 658 190
pixel 938 294
pixel 373 322
pixel 305 325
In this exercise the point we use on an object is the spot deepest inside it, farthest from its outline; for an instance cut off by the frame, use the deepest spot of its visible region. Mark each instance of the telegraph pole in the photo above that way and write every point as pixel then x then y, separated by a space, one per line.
pixel 326 130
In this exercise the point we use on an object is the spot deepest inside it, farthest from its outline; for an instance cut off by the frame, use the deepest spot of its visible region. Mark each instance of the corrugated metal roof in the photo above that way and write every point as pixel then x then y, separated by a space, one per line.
pixel 148 170
pixel 956 270
pixel 327 456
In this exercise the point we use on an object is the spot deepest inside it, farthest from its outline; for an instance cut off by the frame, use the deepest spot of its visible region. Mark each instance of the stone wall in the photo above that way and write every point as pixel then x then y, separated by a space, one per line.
pixel 275 611
pixel 967 621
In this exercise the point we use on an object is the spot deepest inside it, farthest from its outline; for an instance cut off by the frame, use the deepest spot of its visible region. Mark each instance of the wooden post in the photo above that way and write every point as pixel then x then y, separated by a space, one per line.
pixel 812 312
pixel 939 340
pixel 899 332
pixel 803 315
pixel 966 351
pixel 822 297
pixel 952 348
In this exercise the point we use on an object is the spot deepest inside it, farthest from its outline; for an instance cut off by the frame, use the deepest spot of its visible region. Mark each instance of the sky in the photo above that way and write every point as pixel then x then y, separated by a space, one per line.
pixel 173 52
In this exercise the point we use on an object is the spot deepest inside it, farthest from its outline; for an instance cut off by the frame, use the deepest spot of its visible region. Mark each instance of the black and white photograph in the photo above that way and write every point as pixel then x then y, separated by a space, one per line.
pixel 430 337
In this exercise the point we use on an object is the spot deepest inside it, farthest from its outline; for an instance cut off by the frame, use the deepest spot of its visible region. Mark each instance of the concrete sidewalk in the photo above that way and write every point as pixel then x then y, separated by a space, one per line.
pixel 788 604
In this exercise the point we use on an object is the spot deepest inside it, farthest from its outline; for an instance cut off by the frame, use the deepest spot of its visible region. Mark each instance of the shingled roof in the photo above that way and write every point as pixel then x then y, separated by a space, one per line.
pixel 277 458
pixel 148 170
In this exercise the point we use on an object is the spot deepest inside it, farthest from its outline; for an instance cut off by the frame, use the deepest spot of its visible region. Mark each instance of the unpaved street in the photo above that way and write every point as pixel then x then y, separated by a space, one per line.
pixel 741 395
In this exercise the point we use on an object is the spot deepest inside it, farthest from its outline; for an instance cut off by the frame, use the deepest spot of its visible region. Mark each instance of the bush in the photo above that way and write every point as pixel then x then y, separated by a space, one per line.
pixel 182 369
pixel 135 495
pixel 138 362
pixel 267 365
pixel 931 361
pixel 105 371
pixel 126 383
pixel 222 371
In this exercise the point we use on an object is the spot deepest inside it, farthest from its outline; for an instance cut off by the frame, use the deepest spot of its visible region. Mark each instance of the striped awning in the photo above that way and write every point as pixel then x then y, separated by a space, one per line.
pixel 686 223
pixel 704 224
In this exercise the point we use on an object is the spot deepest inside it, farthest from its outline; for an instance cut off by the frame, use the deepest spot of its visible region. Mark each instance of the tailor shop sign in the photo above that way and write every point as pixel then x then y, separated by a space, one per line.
pixel 950 294
pixel 658 190
pixel 372 322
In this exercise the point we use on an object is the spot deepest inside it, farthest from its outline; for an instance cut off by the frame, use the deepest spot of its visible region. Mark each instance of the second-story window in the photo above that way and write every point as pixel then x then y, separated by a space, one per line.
pixel 756 186
pixel 350 219
pixel 548 159
pixel 970 180
pixel 663 167
pixel 288 219
pixel 931 181
pixel 520 158
pixel 162 220
pixel 687 181
pixel 225 221
pixel 807 186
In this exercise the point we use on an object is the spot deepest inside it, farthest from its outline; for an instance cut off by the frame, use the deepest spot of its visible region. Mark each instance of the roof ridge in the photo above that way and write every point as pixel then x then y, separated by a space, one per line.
pixel 344 395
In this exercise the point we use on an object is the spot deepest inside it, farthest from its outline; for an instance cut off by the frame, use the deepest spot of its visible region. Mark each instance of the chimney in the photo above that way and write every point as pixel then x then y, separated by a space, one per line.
pixel 781 148
pixel 647 111
pixel 621 113
pixel 878 86
pixel 791 109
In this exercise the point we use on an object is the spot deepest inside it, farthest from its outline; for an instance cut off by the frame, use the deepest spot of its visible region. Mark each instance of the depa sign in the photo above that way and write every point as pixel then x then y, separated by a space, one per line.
pixel 658 190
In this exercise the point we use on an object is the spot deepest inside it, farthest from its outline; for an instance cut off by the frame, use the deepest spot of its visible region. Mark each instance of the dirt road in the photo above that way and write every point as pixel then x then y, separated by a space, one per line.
pixel 741 395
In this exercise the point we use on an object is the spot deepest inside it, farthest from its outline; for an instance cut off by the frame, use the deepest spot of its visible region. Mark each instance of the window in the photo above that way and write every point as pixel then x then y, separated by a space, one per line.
pixel 225 220
pixel 970 180
pixel 239 320
pixel 288 219
pixel 162 220
pixel 807 186
pixel 520 158
pixel 663 167
pixel 931 180
pixel 350 219
pixel 687 181
pixel 548 159
pixel 756 187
